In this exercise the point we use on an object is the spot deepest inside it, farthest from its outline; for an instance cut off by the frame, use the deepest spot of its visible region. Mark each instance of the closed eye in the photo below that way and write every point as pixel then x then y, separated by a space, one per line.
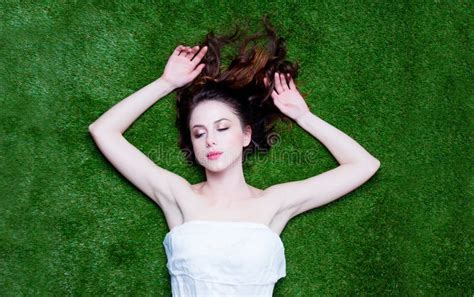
pixel 199 135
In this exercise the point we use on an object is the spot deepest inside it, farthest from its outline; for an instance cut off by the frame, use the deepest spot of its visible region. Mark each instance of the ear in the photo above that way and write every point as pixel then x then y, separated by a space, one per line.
pixel 247 135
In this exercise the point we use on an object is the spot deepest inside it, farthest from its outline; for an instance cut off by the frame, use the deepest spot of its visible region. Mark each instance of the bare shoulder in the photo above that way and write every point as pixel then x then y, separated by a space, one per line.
pixel 264 206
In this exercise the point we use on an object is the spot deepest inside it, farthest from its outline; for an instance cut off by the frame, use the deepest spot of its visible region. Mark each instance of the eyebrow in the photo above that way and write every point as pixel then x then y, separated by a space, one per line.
pixel 214 122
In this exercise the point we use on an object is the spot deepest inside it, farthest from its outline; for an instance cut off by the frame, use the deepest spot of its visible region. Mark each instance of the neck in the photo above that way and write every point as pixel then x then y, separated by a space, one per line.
pixel 227 185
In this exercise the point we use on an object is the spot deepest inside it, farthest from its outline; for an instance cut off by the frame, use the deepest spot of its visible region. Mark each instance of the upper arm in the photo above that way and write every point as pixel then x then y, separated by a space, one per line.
pixel 157 183
pixel 300 196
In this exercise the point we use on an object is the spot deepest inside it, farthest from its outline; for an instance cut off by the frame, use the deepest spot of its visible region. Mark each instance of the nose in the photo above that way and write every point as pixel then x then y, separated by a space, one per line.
pixel 210 139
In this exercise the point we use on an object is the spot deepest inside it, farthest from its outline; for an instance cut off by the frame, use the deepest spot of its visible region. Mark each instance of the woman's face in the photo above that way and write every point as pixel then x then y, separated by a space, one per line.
pixel 214 127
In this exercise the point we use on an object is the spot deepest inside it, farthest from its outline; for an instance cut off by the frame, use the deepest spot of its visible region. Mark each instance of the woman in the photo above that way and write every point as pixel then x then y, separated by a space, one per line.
pixel 224 233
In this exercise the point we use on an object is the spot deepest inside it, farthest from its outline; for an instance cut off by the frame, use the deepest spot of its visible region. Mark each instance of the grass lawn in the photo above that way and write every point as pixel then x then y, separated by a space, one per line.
pixel 396 76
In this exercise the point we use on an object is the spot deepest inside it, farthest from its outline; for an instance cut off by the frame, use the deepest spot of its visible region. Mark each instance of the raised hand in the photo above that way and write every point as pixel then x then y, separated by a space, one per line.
pixel 181 67
pixel 286 97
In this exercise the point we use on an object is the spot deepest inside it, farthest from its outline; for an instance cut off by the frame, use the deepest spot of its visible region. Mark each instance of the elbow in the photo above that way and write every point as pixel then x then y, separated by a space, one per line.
pixel 375 165
pixel 371 165
pixel 93 129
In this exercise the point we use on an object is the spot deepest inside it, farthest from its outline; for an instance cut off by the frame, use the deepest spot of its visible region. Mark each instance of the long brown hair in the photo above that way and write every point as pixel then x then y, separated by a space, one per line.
pixel 240 86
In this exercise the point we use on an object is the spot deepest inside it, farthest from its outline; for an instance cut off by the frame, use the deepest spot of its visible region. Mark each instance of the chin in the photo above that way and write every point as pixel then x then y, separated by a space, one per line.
pixel 213 165
pixel 217 165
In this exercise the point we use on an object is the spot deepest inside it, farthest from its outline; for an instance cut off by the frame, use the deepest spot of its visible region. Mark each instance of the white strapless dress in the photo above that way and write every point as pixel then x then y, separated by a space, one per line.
pixel 224 258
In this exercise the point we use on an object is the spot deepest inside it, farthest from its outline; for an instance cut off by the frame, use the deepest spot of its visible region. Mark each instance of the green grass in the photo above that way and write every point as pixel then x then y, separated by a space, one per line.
pixel 394 75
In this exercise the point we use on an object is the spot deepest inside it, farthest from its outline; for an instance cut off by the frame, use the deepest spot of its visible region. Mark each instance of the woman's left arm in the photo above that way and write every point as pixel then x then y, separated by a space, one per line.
pixel 345 149
pixel 290 102
pixel 356 164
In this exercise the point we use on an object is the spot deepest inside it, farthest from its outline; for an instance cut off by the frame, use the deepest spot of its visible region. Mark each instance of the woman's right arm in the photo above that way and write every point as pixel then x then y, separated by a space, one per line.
pixel 107 131
pixel 123 114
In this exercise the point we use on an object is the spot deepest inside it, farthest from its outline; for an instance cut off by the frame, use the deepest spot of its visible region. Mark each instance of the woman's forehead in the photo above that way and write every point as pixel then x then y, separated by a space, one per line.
pixel 209 112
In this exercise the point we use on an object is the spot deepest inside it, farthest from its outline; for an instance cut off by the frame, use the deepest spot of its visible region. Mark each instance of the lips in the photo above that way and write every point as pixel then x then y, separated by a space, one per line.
pixel 213 155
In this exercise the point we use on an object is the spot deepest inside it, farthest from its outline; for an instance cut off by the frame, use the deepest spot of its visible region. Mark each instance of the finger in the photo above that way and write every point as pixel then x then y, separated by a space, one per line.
pixel 189 52
pixel 292 84
pixel 284 84
pixel 278 83
pixel 200 55
pixel 287 78
pixel 190 49
pixel 274 95
pixel 194 50
pixel 178 50
pixel 184 51
pixel 197 70
pixel 265 82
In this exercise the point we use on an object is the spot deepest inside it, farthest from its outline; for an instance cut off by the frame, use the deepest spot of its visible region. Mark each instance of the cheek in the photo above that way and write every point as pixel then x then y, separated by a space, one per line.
pixel 234 139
